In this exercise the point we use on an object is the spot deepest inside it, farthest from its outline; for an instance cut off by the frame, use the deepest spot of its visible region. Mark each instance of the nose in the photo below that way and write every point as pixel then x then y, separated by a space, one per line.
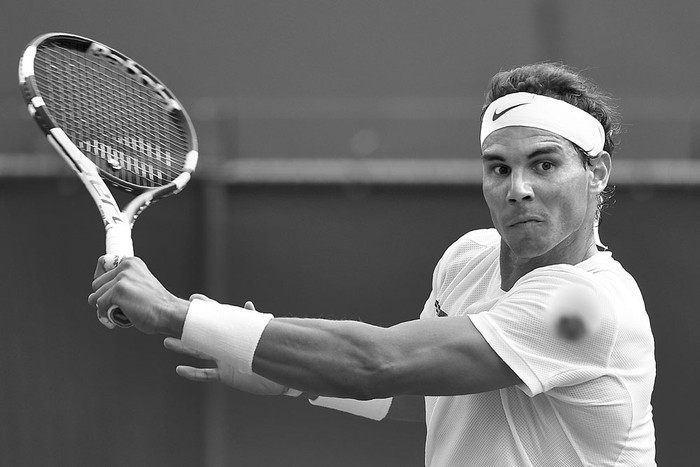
pixel 520 188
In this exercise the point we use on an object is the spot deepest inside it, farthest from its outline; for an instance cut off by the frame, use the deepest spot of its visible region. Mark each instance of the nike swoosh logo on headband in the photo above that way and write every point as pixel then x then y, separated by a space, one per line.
pixel 497 115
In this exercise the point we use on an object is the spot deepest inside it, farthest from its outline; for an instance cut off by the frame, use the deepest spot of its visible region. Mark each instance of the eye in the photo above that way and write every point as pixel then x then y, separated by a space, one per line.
pixel 500 170
pixel 545 166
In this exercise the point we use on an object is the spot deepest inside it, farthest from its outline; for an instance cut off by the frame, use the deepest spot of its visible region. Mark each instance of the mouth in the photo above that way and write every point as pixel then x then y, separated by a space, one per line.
pixel 525 222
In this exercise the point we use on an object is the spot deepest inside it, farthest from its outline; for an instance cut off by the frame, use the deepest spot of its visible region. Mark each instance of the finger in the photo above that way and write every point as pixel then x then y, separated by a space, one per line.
pixel 99 268
pixel 92 300
pixel 103 318
pixel 101 290
pixel 176 345
pixel 198 374
pixel 98 290
pixel 103 278
pixel 249 305
pixel 102 304
pixel 101 299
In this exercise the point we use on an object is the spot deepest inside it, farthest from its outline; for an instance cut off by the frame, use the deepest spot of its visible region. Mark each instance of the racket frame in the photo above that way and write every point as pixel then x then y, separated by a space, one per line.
pixel 117 223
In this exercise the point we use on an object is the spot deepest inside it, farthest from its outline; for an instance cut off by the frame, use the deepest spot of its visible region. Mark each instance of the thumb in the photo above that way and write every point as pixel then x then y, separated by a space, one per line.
pixel 249 306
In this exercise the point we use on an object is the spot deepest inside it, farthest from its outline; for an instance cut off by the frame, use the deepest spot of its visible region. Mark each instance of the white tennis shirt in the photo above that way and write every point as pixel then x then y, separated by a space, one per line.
pixel 587 380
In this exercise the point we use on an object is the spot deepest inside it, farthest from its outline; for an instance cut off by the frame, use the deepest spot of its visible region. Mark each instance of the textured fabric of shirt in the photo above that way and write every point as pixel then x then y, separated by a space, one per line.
pixel 579 338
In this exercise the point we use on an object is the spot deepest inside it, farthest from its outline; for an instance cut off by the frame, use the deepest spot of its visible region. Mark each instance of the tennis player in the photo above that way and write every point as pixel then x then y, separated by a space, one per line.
pixel 534 346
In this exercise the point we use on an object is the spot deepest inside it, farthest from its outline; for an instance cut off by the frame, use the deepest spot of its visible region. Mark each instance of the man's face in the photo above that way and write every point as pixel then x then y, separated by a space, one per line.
pixel 537 190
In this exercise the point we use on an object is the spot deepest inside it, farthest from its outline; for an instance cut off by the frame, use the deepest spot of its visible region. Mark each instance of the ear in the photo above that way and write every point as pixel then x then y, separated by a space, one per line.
pixel 599 173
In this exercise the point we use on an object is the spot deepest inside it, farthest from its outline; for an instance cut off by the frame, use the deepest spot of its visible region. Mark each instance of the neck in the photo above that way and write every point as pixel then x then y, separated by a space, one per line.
pixel 514 267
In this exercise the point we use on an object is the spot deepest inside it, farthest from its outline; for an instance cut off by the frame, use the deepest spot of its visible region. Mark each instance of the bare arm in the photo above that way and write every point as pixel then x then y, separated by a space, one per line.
pixel 445 356
pixel 441 356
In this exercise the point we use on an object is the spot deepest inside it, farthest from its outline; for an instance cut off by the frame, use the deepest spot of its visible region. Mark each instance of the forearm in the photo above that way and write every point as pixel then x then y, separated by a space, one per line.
pixel 350 359
pixel 361 361
pixel 333 358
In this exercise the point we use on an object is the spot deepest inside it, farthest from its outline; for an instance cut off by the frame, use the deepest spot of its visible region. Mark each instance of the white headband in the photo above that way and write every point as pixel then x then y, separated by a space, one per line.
pixel 545 113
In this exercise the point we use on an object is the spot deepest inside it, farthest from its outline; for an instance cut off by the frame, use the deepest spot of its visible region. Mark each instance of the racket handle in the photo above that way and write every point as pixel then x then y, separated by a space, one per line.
pixel 118 246
pixel 117 317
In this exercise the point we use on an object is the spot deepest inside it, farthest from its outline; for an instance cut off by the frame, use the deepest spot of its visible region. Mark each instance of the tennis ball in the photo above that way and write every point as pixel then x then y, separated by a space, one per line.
pixel 575 312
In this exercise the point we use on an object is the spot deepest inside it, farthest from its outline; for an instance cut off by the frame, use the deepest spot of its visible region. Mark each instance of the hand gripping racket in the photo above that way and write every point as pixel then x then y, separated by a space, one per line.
pixel 111 120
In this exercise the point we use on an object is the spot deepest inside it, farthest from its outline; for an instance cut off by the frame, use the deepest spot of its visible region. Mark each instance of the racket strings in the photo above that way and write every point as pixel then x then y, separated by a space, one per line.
pixel 120 123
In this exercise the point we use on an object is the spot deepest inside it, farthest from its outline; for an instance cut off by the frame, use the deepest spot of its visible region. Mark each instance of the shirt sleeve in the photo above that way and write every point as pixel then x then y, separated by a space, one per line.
pixel 553 328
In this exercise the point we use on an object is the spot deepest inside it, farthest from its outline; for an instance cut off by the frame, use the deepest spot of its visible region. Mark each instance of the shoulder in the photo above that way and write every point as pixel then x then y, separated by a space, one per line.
pixel 600 273
pixel 471 247
pixel 564 283
pixel 599 289
pixel 473 253
pixel 473 243
pixel 610 274
pixel 594 272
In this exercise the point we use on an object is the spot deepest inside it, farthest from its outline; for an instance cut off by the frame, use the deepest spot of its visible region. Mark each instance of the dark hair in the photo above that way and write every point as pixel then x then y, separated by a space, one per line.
pixel 560 82
pixel 563 82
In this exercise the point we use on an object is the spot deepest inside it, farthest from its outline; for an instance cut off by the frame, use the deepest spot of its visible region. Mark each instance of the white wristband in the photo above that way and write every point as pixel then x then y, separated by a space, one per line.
pixel 224 332
pixel 375 409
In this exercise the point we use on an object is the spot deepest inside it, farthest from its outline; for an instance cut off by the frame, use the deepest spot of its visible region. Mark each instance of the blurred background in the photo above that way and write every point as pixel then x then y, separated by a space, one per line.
pixel 339 158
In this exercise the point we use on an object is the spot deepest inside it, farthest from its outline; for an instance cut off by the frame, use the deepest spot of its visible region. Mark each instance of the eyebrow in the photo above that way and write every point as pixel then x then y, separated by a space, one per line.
pixel 548 149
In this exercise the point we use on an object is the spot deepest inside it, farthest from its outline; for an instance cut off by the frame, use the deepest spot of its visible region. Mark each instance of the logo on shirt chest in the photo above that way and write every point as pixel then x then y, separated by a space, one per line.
pixel 438 311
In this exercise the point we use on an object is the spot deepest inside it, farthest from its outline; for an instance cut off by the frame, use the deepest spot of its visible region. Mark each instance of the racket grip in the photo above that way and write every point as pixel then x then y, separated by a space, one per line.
pixel 118 246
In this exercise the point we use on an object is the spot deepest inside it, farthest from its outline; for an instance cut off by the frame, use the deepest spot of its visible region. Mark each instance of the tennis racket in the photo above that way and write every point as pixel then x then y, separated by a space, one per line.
pixel 113 121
